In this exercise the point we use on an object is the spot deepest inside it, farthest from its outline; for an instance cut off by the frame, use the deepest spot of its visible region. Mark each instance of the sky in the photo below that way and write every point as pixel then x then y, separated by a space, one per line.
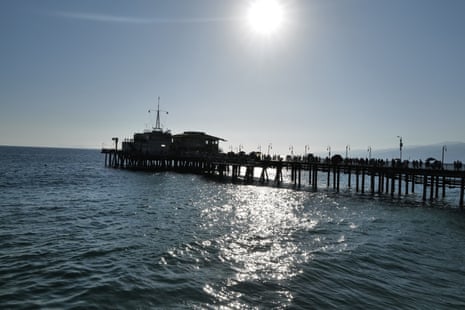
pixel 333 72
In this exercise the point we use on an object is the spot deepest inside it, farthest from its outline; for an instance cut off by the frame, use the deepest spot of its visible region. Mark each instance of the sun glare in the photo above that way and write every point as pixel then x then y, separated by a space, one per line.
pixel 265 17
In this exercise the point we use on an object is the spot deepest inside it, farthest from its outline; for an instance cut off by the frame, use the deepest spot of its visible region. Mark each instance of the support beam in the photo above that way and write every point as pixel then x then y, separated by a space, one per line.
pixel 387 183
pixel 372 182
pixel 444 187
pixel 462 190
pixel 413 183
pixel 406 183
pixel 425 186
pixel 393 182
pixel 329 175
pixel 363 180
pixel 334 177
pixel 431 193
pixel 399 187
pixel 349 177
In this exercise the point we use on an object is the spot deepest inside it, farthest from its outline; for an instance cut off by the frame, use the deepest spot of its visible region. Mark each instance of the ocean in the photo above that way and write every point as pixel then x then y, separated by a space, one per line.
pixel 77 235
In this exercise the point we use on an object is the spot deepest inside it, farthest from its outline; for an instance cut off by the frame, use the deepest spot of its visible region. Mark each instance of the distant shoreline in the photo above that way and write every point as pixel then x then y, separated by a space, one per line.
pixel 51 147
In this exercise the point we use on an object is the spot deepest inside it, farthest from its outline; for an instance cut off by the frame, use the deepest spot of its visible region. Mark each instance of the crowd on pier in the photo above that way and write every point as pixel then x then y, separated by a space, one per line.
pixel 429 163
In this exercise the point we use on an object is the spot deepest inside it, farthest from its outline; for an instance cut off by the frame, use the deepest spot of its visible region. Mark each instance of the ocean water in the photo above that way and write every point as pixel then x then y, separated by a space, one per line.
pixel 77 235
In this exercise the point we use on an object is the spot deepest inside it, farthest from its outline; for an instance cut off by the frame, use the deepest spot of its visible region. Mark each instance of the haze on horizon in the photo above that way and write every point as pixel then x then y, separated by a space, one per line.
pixel 317 73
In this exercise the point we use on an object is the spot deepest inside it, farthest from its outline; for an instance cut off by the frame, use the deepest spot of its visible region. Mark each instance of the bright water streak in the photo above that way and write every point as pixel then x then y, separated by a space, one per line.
pixel 74 234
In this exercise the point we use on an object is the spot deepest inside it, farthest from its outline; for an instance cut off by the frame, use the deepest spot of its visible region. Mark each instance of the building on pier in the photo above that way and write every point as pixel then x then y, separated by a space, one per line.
pixel 159 142
pixel 149 143
pixel 196 142
pixel 152 143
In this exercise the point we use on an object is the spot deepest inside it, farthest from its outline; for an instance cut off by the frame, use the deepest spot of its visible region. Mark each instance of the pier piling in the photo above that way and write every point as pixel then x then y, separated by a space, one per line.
pixel 462 187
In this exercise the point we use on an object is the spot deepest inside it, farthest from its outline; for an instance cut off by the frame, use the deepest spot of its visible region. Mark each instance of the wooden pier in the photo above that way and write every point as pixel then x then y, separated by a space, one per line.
pixel 372 176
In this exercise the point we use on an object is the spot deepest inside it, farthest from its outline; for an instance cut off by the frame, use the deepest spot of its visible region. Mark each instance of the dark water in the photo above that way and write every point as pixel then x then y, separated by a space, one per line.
pixel 74 234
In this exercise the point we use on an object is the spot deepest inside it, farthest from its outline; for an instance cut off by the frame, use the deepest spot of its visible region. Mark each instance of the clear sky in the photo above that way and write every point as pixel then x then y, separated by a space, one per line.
pixel 332 72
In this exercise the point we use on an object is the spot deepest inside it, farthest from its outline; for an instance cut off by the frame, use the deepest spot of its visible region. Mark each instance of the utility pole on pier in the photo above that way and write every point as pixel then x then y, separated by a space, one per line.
pixel 444 149
pixel 401 144
pixel 115 139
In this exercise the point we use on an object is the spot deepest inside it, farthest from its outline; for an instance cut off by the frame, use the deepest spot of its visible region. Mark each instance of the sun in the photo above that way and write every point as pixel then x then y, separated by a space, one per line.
pixel 265 17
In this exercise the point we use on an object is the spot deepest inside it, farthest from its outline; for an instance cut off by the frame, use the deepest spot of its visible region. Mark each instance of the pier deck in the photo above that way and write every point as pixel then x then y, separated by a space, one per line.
pixel 390 177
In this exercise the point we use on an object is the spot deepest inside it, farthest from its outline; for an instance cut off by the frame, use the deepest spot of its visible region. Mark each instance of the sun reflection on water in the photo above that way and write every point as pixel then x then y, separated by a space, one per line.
pixel 261 239
pixel 259 244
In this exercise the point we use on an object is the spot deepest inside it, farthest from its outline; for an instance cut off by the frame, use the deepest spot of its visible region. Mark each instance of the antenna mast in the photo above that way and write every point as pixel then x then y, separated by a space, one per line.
pixel 157 124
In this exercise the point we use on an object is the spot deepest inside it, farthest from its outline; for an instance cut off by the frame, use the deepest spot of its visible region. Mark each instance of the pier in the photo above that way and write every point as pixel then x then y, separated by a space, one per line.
pixel 373 176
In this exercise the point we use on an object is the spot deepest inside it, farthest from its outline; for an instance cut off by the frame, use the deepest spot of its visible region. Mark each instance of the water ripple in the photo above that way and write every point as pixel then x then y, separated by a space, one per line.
pixel 76 235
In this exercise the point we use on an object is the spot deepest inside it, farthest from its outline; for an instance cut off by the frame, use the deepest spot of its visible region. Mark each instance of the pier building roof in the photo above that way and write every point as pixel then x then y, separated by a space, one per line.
pixel 197 134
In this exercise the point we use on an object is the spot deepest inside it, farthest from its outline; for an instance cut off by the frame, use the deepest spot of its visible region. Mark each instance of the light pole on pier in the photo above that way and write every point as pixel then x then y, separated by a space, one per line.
pixel 329 151
pixel 270 147
pixel 444 149
pixel 347 151
pixel 115 139
pixel 369 153
pixel 307 147
pixel 401 144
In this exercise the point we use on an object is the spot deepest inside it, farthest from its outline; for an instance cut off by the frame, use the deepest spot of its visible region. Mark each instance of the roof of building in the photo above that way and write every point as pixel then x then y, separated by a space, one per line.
pixel 198 134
